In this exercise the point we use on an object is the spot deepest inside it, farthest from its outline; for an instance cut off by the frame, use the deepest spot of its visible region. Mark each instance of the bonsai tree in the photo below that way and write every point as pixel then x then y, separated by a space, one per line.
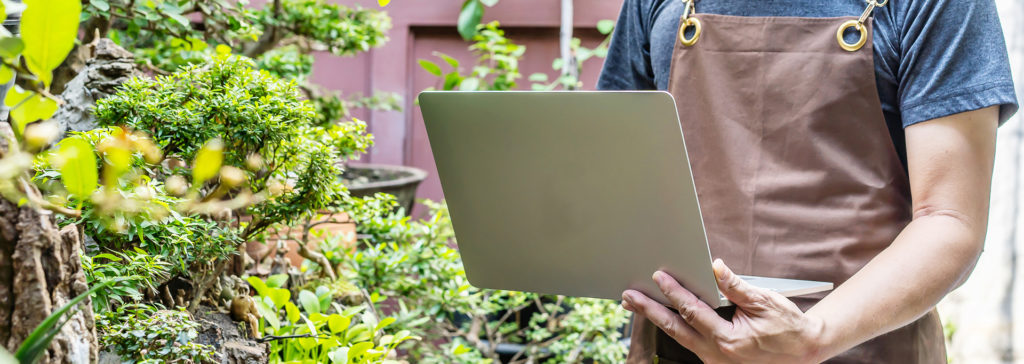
pixel 273 145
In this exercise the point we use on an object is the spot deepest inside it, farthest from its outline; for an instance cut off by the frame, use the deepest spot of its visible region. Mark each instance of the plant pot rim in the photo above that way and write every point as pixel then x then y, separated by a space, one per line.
pixel 416 175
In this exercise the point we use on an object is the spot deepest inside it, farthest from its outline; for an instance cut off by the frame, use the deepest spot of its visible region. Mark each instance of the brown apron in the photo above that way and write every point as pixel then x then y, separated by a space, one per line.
pixel 795 169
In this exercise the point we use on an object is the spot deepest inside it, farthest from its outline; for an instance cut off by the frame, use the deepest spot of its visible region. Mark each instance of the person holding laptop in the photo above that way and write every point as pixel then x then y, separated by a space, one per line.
pixel 837 141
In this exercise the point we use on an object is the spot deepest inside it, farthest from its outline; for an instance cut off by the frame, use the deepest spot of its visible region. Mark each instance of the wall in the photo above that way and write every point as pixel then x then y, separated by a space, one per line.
pixel 422 27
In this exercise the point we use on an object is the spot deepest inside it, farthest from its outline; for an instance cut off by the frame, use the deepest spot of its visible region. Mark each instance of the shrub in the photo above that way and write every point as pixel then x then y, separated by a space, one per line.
pixel 422 273
pixel 146 334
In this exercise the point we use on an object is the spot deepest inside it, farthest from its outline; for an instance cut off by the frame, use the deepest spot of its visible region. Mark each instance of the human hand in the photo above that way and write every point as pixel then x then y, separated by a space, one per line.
pixel 767 327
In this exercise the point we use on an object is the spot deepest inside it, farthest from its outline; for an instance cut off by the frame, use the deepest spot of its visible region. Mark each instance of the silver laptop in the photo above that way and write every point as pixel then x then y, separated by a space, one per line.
pixel 574 193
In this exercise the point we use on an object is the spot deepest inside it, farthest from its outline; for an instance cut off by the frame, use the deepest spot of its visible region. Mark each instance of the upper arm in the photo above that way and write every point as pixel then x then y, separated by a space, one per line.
pixel 950 160
pixel 952 58
pixel 627 65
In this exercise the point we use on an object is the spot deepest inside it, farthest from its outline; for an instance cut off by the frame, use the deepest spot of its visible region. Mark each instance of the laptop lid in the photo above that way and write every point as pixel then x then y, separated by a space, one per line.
pixel 583 193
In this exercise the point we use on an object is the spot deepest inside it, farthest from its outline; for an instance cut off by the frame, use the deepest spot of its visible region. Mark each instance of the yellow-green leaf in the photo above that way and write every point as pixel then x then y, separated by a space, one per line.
pixel 28 106
pixel 292 311
pixel 5 75
pixel 338 323
pixel 208 161
pixel 383 3
pixel 280 296
pixel 49 29
pixel 78 169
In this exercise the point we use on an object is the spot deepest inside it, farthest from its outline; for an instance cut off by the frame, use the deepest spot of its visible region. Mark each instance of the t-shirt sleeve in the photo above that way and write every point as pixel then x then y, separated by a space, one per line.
pixel 628 63
pixel 953 59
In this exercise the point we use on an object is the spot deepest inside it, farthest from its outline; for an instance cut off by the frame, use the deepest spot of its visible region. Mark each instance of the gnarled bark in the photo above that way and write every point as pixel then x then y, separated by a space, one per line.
pixel 40 271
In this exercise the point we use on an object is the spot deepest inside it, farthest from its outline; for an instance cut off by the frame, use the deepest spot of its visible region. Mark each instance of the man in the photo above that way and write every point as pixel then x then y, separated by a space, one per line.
pixel 839 141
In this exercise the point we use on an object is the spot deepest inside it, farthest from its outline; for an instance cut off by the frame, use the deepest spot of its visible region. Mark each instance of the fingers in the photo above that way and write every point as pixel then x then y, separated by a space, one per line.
pixel 737 290
pixel 669 322
pixel 694 312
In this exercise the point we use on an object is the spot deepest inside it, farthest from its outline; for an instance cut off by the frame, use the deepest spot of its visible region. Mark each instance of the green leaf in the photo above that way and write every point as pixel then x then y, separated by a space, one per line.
pixel 208 161
pixel 539 77
pixel 11 47
pixel 292 311
pixel 280 296
pixel 257 284
pixel 448 59
pixel 383 3
pixel 267 312
pixel 605 26
pixel 309 302
pixel 277 280
pixel 384 322
pixel 359 349
pixel 469 84
pixel 36 343
pixel 489 3
pixel 49 29
pixel 338 323
pixel 28 106
pixel 469 18
pixel 6 75
pixel 101 5
pixel 431 67
pixel 78 169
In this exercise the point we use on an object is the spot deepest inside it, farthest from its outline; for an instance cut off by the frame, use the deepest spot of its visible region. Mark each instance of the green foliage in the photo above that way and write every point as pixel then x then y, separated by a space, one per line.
pixel 422 270
pixel 341 30
pixel 580 54
pixel 255 115
pixel 126 273
pixel 288 63
pixel 470 15
pixel 145 25
pixel 142 333
pixel 497 63
pixel 320 329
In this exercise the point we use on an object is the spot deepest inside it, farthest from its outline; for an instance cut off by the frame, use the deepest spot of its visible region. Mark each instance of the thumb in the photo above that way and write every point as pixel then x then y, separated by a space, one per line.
pixel 734 288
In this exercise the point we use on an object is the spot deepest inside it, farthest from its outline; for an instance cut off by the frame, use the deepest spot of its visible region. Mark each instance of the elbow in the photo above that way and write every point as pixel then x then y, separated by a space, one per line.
pixel 962 234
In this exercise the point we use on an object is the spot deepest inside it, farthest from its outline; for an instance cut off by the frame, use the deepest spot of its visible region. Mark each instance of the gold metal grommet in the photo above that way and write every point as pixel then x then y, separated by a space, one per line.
pixel 690 22
pixel 860 42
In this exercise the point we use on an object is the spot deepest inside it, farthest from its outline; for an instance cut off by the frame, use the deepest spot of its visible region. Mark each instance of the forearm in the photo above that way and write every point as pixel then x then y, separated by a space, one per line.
pixel 950 165
pixel 927 260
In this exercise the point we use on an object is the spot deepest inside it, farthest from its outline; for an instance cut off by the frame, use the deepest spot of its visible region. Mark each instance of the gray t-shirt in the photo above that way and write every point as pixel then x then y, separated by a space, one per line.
pixel 933 58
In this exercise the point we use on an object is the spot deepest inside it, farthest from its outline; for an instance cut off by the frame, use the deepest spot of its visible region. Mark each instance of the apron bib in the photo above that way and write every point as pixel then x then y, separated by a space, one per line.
pixel 795 169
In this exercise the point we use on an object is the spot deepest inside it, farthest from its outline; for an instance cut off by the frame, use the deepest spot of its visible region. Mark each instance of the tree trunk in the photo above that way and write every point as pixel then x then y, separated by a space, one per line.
pixel 569 68
pixel 40 271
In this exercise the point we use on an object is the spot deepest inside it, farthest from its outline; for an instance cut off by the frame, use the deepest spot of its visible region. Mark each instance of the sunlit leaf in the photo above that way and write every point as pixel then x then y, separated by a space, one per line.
pixel 605 26
pixel 277 280
pixel 431 67
pixel 49 29
pixel 383 3
pixel 338 323
pixel 309 302
pixel 280 296
pixel 5 75
pixel 208 161
pixel 78 169
pixel 257 284
pixel 28 106
pixel 448 59
pixel 292 311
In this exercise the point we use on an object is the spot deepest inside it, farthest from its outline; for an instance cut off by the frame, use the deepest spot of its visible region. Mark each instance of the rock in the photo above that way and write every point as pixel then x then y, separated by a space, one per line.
pixel 107 357
pixel 218 330
pixel 109 67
